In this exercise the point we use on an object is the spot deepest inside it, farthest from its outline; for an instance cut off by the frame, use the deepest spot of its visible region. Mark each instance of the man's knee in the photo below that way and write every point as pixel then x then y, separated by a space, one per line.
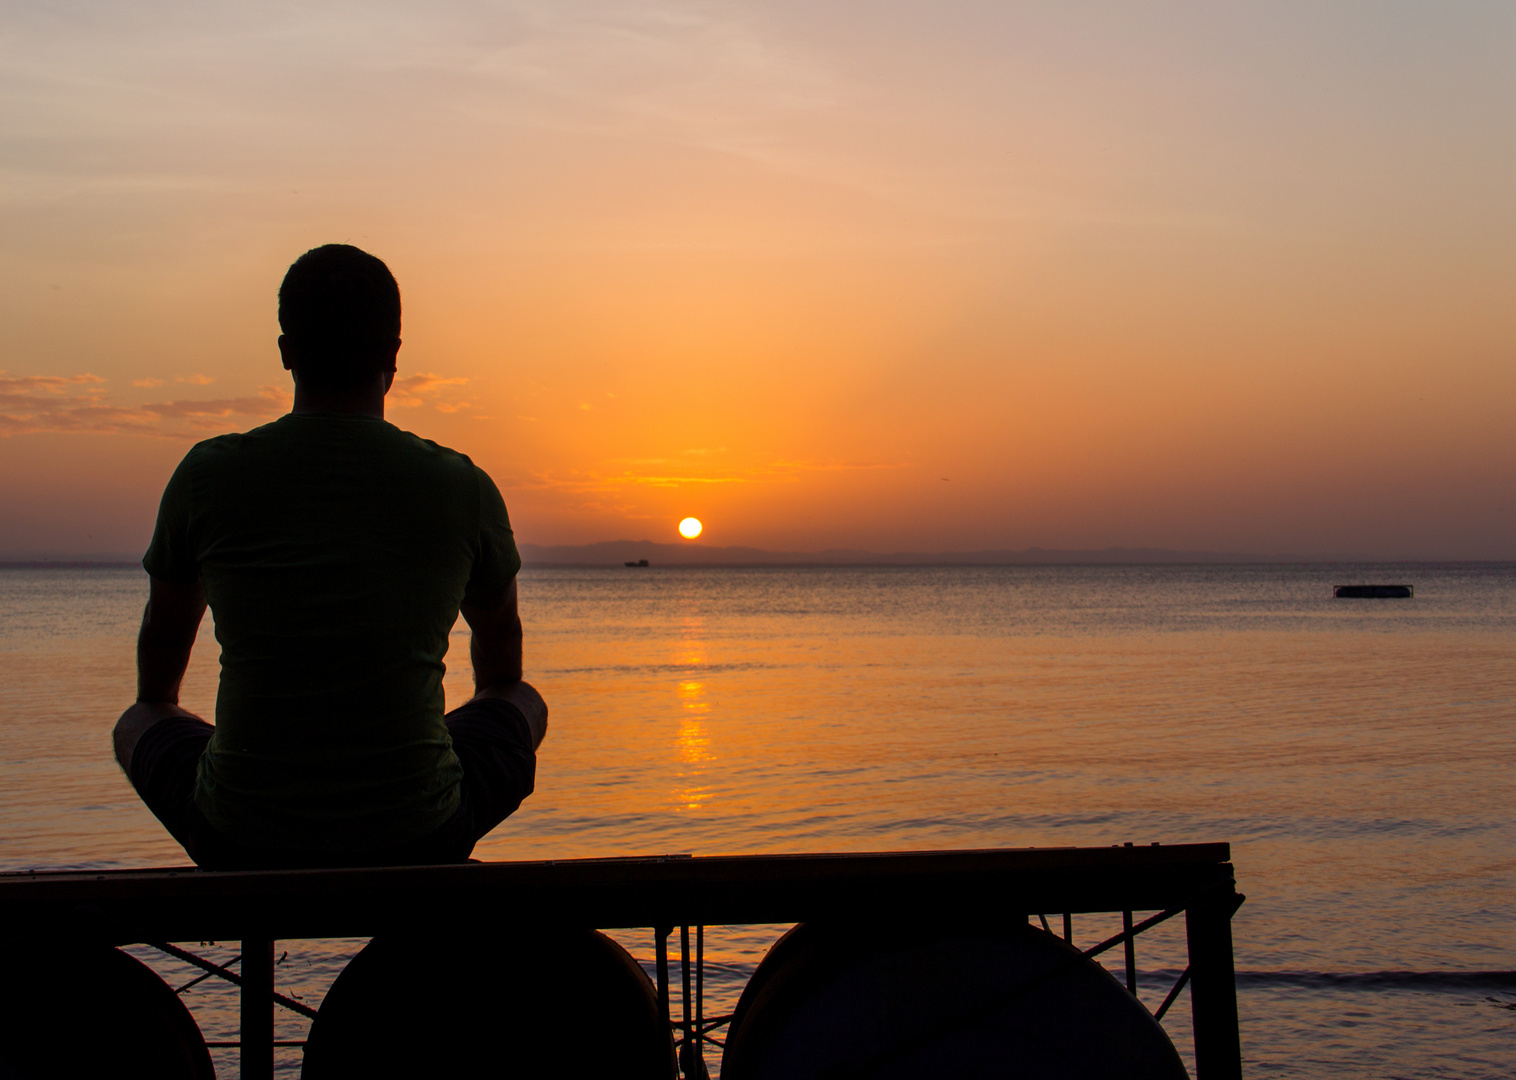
pixel 134 724
pixel 524 696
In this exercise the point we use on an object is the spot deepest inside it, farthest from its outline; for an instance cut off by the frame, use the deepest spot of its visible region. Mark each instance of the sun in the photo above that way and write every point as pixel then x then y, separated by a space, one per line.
pixel 690 528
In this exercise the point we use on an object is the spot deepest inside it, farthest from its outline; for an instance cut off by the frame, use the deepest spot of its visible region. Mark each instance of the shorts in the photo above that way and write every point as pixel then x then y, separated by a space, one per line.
pixel 490 736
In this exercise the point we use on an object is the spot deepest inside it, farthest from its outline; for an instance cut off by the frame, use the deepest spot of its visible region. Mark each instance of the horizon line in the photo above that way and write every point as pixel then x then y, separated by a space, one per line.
pixel 616 553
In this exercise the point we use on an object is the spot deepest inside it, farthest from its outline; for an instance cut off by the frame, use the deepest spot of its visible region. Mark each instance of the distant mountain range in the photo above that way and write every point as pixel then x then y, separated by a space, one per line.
pixel 34 560
pixel 620 552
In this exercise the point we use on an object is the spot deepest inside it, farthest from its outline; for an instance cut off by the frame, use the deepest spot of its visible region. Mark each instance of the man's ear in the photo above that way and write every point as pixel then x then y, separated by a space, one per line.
pixel 287 353
pixel 389 370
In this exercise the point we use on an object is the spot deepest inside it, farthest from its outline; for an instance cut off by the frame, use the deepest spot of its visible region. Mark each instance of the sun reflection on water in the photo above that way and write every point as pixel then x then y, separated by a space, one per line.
pixel 692 743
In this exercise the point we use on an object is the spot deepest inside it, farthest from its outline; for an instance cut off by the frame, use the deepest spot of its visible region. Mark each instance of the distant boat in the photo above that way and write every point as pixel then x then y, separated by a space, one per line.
pixel 1374 592
pixel 639 562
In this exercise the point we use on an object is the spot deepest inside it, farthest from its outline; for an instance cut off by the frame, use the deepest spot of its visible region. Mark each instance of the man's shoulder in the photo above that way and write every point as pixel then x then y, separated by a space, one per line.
pixel 444 456
pixel 220 446
pixel 303 440
pixel 294 429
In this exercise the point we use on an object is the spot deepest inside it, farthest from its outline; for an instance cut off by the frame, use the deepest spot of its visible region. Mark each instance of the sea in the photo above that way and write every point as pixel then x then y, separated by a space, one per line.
pixel 1357 754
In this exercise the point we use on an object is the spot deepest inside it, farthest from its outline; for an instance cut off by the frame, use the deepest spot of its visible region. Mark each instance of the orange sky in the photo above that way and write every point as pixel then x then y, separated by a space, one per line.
pixel 895 276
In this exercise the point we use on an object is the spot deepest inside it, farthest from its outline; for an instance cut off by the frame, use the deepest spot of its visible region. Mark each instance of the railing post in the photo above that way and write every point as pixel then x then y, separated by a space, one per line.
pixel 257 1009
pixel 700 1001
pixel 661 947
pixel 1131 953
pixel 690 1063
pixel 1213 987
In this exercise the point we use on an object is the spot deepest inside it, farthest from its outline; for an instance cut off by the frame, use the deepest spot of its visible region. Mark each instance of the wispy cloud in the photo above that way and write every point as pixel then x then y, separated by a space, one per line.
pixel 416 390
pixel 41 385
pixel 80 404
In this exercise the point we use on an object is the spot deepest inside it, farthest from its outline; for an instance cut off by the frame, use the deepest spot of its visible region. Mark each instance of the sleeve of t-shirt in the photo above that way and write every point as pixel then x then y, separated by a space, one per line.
pixel 171 557
pixel 497 560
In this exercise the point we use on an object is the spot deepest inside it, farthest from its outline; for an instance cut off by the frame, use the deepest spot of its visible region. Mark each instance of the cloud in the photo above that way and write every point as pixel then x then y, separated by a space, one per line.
pixel 78 404
pixel 269 401
pixel 413 390
pixel 195 380
pixel 147 383
pixel 35 384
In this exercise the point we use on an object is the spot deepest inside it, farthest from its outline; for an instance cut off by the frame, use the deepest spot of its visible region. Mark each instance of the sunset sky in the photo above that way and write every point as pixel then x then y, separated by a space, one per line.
pixel 900 276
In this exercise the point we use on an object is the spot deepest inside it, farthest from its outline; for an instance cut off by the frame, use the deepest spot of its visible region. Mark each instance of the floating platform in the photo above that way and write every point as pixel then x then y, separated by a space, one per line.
pixel 1374 592
pixel 972 888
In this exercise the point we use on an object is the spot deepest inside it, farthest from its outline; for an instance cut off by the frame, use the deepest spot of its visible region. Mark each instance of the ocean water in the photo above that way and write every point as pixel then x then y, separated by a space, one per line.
pixel 1358 755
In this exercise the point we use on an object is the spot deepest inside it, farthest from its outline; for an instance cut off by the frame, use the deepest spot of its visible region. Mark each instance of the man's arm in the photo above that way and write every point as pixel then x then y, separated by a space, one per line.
pixel 163 650
pixel 495 649
pixel 168 633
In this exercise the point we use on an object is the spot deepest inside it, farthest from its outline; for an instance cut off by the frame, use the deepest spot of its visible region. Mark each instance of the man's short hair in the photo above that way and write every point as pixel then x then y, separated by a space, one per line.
pixel 340 307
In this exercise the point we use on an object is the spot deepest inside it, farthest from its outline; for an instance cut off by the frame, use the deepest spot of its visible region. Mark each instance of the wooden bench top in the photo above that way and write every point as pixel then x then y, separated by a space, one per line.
pixel 183 903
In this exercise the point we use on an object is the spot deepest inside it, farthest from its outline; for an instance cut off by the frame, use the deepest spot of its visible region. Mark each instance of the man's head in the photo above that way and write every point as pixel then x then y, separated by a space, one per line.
pixel 339 308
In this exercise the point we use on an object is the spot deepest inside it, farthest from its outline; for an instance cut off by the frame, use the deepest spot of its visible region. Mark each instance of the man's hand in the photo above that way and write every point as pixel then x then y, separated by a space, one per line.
pixel 168 633
pixel 495 648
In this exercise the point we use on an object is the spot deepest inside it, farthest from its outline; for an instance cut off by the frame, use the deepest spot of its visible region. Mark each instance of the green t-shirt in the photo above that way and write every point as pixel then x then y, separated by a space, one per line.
pixel 335 551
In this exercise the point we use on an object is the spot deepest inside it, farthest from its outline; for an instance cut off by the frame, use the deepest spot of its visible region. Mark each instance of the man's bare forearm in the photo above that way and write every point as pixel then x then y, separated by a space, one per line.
pixel 169 625
pixel 495 648
pixel 495 641
pixel 161 665
pixel 496 663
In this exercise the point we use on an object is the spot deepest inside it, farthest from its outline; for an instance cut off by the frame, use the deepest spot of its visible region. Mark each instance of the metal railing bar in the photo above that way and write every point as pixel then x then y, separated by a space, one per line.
pixel 231 977
pixel 710 1023
pixel 198 979
pixel 700 979
pixel 689 1057
pixel 1173 993
pixel 661 949
pixel 1145 924
pixel 1131 953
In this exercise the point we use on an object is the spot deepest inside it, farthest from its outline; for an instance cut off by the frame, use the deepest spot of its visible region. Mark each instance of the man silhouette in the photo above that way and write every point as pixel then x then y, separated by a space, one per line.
pixel 335 552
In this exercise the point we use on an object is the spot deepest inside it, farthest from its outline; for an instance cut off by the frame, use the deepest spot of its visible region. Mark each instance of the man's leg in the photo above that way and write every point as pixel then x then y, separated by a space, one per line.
pixel 158 746
pixel 134 724
pixel 495 735
pixel 528 703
